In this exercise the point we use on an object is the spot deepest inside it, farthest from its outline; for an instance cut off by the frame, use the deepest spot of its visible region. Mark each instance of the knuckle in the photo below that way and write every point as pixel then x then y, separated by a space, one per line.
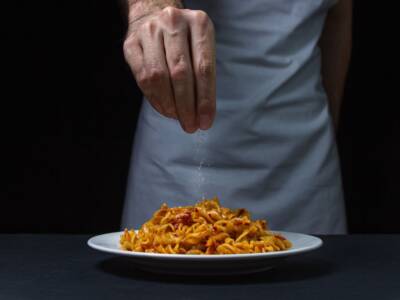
pixel 150 77
pixel 203 22
pixel 155 75
pixel 151 27
pixel 171 14
pixel 170 10
pixel 179 72
pixel 205 68
pixel 128 44
pixel 142 80
pixel 210 26
pixel 201 17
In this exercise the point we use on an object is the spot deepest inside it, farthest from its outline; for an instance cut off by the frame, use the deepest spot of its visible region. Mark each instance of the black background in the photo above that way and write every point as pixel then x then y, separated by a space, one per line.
pixel 70 105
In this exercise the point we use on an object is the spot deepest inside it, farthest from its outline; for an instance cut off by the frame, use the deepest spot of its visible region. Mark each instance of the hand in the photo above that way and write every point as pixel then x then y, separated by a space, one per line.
pixel 171 52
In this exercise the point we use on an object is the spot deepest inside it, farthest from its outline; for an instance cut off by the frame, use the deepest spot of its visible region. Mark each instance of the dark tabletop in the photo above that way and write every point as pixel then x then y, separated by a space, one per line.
pixel 64 267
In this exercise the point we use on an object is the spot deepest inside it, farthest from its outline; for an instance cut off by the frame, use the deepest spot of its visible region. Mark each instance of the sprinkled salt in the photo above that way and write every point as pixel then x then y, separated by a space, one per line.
pixel 200 157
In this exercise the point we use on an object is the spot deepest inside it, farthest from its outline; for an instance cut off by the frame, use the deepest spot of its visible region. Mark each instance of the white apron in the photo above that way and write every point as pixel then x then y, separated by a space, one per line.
pixel 271 148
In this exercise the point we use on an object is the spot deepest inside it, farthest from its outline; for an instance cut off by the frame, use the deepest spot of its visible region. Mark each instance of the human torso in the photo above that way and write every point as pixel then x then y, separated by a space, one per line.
pixel 271 148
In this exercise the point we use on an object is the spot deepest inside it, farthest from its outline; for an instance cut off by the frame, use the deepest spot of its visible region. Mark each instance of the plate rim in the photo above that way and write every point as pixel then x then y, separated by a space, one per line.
pixel 163 256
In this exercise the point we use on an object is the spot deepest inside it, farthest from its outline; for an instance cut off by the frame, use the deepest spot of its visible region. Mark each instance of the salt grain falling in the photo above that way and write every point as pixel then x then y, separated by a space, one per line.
pixel 199 179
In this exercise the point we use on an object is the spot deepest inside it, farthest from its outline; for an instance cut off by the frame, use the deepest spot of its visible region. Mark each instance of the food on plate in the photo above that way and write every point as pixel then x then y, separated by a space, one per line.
pixel 205 228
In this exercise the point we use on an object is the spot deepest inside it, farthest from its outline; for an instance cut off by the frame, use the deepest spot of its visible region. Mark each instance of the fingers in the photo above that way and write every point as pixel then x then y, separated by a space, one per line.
pixel 133 53
pixel 177 52
pixel 172 55
pixel 156 84
pixel 203 60
pixel 134 56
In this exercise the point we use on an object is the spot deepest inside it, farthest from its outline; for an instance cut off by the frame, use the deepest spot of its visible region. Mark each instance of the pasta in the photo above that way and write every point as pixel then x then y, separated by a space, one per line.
pixel 206 228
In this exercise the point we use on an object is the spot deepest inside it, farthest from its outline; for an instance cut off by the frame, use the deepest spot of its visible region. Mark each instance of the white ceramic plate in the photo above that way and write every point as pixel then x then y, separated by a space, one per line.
pixel 206 264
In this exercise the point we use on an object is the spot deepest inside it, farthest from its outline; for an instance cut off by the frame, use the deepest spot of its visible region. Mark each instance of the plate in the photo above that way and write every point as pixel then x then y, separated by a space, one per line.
pixel 191 264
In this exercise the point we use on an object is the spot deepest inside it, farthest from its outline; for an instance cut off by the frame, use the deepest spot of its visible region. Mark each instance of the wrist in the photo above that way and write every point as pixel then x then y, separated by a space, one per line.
pixel 138 9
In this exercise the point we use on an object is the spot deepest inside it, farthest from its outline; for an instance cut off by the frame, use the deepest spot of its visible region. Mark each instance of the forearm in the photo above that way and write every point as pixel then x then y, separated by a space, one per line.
pixel 136 9
pixel 335 46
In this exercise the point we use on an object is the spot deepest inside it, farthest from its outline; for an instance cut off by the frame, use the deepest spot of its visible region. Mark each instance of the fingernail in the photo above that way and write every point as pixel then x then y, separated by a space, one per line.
pixel 190 129
pixel 171 113
pixel 205 122
pixel 157 107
